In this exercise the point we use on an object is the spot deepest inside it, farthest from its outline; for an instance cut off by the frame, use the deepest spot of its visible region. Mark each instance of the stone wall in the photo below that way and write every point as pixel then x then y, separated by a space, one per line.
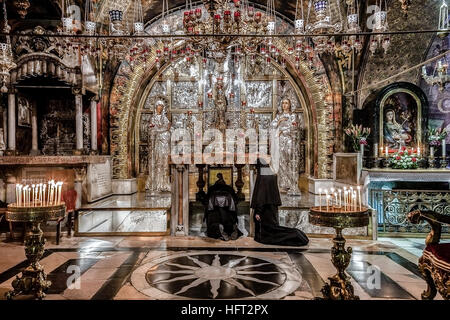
pixel 405 51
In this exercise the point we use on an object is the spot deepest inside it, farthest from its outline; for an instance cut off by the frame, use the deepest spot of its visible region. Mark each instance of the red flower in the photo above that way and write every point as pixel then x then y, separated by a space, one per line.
pixel 401 153
pixel 409 152
pixel 413 159
pixel 403 148
pixel 397 158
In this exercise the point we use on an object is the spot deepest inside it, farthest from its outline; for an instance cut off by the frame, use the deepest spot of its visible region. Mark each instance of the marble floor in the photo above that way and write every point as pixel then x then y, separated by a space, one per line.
pixel 201 268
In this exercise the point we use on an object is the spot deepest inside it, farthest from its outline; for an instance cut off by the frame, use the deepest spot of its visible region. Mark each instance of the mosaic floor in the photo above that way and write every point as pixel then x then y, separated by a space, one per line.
pixel 200 268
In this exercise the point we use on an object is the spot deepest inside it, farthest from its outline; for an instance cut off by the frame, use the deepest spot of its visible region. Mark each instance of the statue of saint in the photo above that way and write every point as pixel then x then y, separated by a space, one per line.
pixel 286 126
pixel 159 142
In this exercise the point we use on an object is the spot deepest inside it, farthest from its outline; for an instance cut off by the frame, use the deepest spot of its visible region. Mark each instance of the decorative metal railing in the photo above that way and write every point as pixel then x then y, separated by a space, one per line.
pixel 392 207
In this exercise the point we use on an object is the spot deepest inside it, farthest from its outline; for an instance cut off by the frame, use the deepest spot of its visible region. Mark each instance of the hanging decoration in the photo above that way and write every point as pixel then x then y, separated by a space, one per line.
pixel 6 56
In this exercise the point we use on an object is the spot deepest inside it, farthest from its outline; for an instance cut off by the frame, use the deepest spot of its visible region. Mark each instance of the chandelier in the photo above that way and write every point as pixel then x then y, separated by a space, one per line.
pixel 236 21
pixel 324 22
pixel 352 42
pixel 6 57
pixel 380 41
pixel 440 76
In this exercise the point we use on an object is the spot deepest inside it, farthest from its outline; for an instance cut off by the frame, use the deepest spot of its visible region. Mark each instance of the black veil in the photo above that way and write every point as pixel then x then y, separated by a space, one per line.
pixel 266 186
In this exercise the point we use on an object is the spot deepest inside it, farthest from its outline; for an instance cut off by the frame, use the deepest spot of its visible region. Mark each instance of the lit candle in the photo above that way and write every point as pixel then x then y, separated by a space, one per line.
pixel 328 198
pixel 33 187
pixel 345 199
pixel 335 199
pixel 17 194
pixel 51 193
pixel 340 197
pixel 60 189
pixel 43 194
pixel 354 201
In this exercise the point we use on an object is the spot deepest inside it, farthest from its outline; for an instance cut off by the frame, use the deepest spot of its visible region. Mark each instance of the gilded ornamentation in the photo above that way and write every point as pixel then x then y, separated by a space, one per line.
pixel 33 280
pixel 437 275
pixel 124 95
pixel 395 205
pixel 339 287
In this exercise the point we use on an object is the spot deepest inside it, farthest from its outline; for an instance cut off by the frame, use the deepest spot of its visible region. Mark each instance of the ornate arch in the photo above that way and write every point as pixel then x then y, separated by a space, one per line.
pixel 130 83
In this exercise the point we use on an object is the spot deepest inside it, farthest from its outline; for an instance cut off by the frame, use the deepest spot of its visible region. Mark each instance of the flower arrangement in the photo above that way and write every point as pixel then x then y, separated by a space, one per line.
pixel 404 159
pixel 358 134
pixel 436 135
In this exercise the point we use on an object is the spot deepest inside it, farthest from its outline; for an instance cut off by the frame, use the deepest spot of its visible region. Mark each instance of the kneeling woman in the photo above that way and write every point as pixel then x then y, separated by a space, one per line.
pixel 265 202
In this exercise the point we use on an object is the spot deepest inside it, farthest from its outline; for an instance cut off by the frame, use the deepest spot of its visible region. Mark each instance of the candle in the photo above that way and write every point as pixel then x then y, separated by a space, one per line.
pixel 387 152
pixel 320 198
pixel 17 194
pixel 340 198
pixel 328 198
pixel 444 152
pixel 60 189
pixel 375 150
pixel 335 199
pixel 51 194
pixel 418 151
pixel 359 197
pixel 345 199
pixel 432 152
pixel 33 187
pixel 43 194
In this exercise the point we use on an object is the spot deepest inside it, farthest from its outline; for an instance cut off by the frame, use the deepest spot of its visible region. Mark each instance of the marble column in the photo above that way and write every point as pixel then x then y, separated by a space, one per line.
pixel 93 126
pixel 79 122
pixel 12 123
pixel 34 132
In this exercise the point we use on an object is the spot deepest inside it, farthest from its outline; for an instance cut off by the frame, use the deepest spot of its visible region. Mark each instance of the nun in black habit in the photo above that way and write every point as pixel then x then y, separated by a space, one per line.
pixel 221 211
pixel 265 202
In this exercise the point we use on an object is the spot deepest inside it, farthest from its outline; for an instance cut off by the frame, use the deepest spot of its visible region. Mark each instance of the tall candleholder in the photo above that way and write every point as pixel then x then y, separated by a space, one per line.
pixel 431 162
pixel 33 280
pixel 376 163
pixel 385 162
pixel 444 162
pixel 339 286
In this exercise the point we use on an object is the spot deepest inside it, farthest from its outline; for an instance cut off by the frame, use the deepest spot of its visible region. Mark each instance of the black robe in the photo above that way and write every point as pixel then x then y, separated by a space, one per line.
pixel 221 217
pixel 265 202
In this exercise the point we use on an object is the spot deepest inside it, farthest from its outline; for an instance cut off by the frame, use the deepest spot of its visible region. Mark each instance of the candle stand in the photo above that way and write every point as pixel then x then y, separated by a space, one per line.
pixel 431 163
pixel 444 162
pixel 376 163
pixel 33 280
pixel 385 162
pixel 339 287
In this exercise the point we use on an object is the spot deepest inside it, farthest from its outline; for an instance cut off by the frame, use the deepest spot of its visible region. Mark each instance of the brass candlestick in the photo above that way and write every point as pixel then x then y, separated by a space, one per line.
pixel 444 162
pixel 339 287
pixel 33 279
